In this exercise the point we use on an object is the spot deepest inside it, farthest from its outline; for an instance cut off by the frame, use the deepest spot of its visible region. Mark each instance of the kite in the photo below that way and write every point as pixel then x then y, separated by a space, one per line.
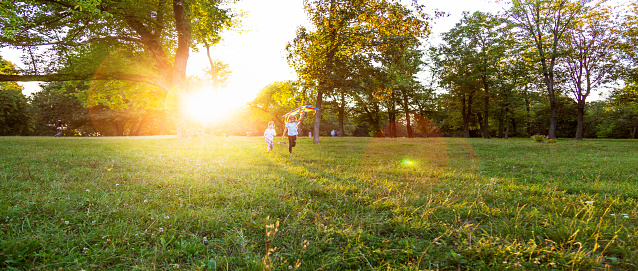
pixel 300 110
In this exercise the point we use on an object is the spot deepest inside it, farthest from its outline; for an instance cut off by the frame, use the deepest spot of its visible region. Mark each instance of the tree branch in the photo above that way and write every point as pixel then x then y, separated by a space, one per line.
pixel 73 77
pixel 131 39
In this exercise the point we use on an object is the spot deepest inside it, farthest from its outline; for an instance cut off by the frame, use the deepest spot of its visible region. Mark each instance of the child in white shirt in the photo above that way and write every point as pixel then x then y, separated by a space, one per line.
pixel 291 127
pixel 269 134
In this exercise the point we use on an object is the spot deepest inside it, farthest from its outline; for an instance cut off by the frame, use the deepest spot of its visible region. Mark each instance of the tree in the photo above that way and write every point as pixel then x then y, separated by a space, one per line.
pixel 628 46
pixel 545 23
pixel 455 76
pixel 276 99
pixel 56 101
pixel 14 118
pixel 347 31
pixel 514 77
pixel 592 59
pixel 395 46
pixel 315 54
pixel 468 63
pixel 136 41
pixel 485 37
pixel 623 106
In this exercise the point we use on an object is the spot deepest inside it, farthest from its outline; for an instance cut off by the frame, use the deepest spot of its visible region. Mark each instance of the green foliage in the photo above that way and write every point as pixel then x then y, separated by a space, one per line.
pixel 272 102
pixel 350 40
pixel 57 101
pixel 14 117
pixel 544 24
pixel 620 116
pixel 605 130
pixel 471 63
pixel 628 29
pixel 122 47
pixel 538 138
pixel 350 203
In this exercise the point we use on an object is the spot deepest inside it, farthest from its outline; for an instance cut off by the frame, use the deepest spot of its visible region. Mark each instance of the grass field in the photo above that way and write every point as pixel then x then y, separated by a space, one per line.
pixel 346 204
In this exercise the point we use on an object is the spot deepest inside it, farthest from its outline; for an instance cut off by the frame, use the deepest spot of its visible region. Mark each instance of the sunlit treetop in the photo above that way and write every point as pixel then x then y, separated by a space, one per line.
pixel 7 67
pixel 70 39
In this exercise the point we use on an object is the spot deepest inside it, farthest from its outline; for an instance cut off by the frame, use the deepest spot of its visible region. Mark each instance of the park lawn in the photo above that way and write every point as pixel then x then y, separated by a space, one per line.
pixel 223 203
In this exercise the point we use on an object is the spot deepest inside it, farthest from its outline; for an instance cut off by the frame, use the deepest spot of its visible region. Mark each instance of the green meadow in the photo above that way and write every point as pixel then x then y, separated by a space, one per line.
pixel 223 203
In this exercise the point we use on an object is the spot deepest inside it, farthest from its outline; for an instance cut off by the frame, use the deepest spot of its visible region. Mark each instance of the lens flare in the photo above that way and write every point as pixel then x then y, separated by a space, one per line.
pixel 407 162
pixel 207 106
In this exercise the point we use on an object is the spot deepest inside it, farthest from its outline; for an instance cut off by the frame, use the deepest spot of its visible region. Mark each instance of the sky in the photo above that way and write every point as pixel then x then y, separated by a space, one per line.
pixel 256 54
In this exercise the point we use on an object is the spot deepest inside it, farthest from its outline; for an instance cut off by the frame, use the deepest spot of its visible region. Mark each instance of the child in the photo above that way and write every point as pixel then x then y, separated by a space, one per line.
pixel 269 134
pixel 291 126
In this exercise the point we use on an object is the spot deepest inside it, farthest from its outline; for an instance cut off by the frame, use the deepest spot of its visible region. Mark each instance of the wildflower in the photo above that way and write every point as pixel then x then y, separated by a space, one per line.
pixel 205 239
pixel 167 217
pixel 66 222
pixel 160 230
pixel 85 250
pixel 145 200
pixel 88 190
pixel 117 184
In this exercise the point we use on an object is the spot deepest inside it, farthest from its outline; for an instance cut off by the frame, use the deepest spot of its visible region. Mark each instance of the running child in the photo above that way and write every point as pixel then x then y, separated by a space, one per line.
pixel 269 134
pixel 291 126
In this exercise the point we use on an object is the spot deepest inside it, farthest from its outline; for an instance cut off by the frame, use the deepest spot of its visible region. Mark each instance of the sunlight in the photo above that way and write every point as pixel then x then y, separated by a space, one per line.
pixel 208 106
pixel 407 162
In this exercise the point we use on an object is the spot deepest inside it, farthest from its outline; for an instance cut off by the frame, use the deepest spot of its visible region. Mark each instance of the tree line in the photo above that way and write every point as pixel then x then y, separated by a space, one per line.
pixel 529 70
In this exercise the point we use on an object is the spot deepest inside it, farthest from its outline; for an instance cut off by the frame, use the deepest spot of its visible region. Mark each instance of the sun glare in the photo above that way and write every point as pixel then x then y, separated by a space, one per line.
pixel 208 106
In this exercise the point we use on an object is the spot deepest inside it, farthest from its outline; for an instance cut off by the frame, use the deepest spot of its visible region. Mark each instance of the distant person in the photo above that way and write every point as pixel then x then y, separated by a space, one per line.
pixel 332 133
pixel 269 134
pixel 291 126
pixel 59 125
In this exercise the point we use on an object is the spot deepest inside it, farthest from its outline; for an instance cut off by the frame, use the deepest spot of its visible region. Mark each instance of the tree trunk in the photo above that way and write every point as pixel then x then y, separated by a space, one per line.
pixel 553 122
pixel 466 109
pixel 507 123
pixel 181 57
pixel 141 125
pixel 376 120
pixel 392 118
pixel 581 120
pixel 408 123
pixel 501 124
pixel 479 118
pixel 485 127
pixel 315 130
pixel 342 113
pixel 118 128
